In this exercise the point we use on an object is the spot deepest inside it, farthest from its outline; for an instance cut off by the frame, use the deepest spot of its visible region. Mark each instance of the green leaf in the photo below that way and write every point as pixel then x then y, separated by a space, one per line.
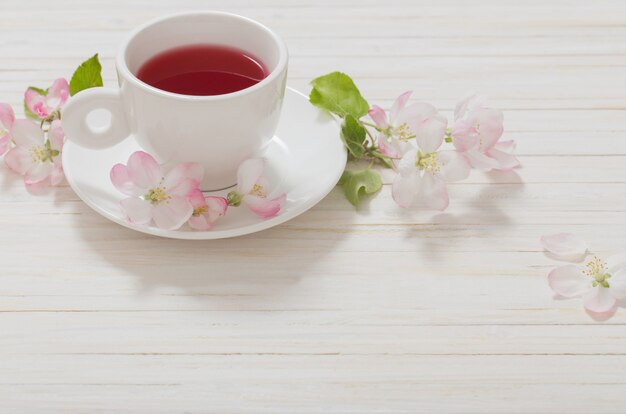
pixel 357 184
pixel 337 93
pixel 40 91
pixel 28 112
pixel 353 136
pixel 87 75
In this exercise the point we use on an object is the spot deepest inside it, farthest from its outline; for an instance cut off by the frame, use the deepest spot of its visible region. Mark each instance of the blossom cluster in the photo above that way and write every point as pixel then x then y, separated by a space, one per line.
pixel 413 136
pixel 601 283
pixel 32 147
pixel 174 198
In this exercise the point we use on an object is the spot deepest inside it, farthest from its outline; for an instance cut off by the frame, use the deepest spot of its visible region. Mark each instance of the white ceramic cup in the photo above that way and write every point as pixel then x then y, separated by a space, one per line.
pixel 218 131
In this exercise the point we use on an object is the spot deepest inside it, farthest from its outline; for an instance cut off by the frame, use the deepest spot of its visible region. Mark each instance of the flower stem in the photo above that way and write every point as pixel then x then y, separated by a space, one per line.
pixel 369 124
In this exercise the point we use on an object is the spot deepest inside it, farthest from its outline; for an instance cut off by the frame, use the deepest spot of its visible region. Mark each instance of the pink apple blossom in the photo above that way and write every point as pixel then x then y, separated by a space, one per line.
pixel 419 121
pixel 600 283
pixel 7 117
pixel 45 105
pixel 252 190
pixel 153 195
pixel 424 176
pixel 476 133
pixel 206 209
pixel 34 156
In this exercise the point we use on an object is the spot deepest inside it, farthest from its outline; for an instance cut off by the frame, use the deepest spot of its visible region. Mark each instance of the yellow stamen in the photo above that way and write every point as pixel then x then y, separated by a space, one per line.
pixel 403 132
pixel 157 195
pixel 597 269
pixel 200 210
pixel 429 162
pixel 257 190
pixel 480 137
pixel 39 153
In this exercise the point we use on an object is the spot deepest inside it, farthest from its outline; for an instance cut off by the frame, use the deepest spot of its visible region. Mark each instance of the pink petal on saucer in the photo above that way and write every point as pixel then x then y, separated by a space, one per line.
pixel 171 215
pixel 123 183
pixel 184 178
pixel 217 207
pixel 137 211
pixel 249 173
pixel 264 207
pixel 201 223
pixel 143 170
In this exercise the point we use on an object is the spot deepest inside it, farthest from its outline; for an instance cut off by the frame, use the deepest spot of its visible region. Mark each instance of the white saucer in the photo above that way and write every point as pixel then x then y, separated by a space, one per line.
pixel 305 160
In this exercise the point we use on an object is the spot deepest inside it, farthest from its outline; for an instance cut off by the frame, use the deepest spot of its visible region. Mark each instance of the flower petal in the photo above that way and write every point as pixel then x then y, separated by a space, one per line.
pixel 57 175
pixel 137 211
pixel 617 284
pixel 407 165
pixel 491 126
pixel 200 222
pixel 264 207
pixel 172 214
pixel 616 263
pixel 464 104
pixel 568 281
pixel 398 105
pixel 385 148
pixel 184 178
pixel 434 192
pixel 19 159
pixel 217 207
pixel 196 198
pixel 431 133
pixel 480 161
pixel 56 135
pixel 566 246
pixel 249 173
pixel 123 183
pixel 405 187
pixel 464 136
pixel 425 123
pixel 5 143
pixel 6 117
pixel 414 114
pixel 57 94
pixel 378 115
pixel 38 172
pixel 27 133
pixel 36 103
pixel 599 300
pixel 143 170
pixel 507 146
pixel 455 166
pixel 505 160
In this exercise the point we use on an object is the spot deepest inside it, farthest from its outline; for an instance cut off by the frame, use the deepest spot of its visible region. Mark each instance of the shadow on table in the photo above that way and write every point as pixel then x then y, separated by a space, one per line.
pixel 263 265
pixel 482 218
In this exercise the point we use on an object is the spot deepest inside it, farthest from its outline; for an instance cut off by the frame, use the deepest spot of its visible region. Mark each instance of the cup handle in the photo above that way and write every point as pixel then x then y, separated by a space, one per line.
pixel 76 123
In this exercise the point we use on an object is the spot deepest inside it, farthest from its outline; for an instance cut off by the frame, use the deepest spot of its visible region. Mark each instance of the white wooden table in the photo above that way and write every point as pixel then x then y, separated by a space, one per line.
pixel 338 311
